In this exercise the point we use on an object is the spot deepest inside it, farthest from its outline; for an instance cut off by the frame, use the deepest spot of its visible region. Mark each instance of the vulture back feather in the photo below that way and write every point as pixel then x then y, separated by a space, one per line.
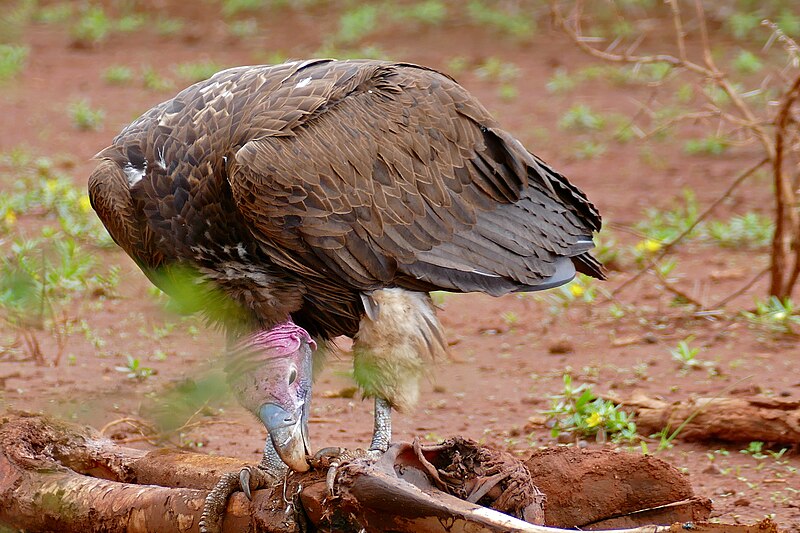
pixel 298 187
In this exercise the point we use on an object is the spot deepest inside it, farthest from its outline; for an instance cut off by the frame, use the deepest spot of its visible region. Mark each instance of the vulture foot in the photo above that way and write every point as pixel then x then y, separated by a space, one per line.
pixel 333 457
pixel 265 474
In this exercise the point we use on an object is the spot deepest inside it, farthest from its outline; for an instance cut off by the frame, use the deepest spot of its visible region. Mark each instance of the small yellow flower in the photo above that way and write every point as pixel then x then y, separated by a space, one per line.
pixel 51 185
pixel 594 419
pixel 10 219
pixel 84 204
pixel 577 290
pixel 648 245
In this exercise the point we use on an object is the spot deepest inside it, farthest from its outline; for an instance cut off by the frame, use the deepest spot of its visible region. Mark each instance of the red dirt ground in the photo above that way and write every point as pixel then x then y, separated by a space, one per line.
pixel 504 366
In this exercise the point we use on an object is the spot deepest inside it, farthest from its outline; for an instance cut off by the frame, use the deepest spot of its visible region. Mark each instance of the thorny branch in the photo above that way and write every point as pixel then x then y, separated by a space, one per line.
pixel 653 261
pixel 787 222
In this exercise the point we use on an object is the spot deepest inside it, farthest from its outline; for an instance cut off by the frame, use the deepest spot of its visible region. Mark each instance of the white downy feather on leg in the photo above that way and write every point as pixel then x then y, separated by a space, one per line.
pixel 396 338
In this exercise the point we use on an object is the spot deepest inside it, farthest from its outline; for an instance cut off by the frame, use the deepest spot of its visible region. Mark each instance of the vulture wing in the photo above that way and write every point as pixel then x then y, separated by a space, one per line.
pixel 380 173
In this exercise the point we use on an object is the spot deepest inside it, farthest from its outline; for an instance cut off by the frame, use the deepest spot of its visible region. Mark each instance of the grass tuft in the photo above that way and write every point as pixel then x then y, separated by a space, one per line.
pixel 12 60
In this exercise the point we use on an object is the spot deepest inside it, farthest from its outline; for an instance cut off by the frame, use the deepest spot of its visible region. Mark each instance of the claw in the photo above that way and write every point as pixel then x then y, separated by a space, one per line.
pixel 333 457
pixel 244 481
pixel 330 478
pixel 326 455
pixel 248 479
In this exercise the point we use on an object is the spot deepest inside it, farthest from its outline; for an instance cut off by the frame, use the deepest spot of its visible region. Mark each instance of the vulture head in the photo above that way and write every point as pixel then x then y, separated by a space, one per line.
pixel 270 371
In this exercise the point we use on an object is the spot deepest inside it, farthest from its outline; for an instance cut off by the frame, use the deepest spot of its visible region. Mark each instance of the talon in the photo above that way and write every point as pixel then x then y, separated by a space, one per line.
pixel 330 453
pixel 330 477
pixel 244 481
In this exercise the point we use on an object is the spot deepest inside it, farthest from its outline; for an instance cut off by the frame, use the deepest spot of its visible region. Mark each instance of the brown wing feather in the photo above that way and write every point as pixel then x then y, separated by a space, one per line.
pixel 390 171
pixel 110 197
pixel 294 187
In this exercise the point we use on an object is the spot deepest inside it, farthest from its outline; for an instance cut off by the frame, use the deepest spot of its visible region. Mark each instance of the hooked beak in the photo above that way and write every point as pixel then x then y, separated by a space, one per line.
pixel 289 433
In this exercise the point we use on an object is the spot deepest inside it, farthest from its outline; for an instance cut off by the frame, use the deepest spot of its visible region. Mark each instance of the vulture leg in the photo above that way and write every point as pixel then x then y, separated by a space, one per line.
pixel 268 472
pixel 382 434
pixel 333 457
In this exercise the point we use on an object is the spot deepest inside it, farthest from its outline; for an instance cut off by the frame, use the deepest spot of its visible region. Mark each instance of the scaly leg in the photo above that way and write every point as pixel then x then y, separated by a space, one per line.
pixel 381 437
pixel 382 432
pixel 265 474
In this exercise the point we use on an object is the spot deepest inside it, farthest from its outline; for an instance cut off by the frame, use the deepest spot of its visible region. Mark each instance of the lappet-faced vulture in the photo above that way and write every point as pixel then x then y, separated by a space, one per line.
pixel 326 198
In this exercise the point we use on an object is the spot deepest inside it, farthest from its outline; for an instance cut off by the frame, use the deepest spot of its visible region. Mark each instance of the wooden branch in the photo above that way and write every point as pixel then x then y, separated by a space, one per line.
pixel 627 57
pixel 787 227
pixel 728 419
pixel 58 477
pixel 680 34
pixel 741 290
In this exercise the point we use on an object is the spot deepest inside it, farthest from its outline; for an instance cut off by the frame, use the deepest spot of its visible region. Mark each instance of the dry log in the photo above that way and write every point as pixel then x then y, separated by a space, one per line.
pixel 744 419
pixel 56 477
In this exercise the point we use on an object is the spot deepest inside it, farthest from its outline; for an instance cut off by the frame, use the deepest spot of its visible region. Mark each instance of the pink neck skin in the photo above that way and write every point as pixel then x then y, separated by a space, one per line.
pixel 282 340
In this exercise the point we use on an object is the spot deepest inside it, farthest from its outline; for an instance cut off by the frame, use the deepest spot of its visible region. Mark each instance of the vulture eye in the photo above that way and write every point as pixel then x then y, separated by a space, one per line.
pixel 292 376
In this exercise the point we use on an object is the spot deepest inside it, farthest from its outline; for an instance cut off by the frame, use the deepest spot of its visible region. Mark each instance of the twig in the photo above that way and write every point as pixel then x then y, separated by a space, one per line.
pixel 740 291
pixel 680 35
pixel 709 71
pixel 676 291
pixel 148 433
pixel 667 247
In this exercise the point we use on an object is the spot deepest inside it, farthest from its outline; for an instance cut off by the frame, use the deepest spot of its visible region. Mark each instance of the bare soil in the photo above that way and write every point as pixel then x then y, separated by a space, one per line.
pixel 508 354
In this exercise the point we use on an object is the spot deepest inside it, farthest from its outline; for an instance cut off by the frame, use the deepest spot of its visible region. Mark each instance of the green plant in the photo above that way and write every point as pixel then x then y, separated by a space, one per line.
pixel 751 230
pixel 234 7
pixel 774 315
pixel 580 117
pixel 747 62
pixel 789 23
pixel 118 75
pixel 15 18
pixel 458 64
pixel 39 190
pixel 93 26
pixel 507 92
pixel 242 29
pixel 154 81
pixel 742 24
pixel 495 69
pixel 427 12
pixel 12 60
pixel 510 318
pixel 755 449
pixel 194 72
pixel 357 23
pixel 588 149
pixel 54 13
pixel 708 145
pixel 38 277
pixel 581 289
pixel 168 26
pixel 686 356
pixel 561 82
pixel 516 24
pixel 130 23
pixel 579 412
pixel 665 225
pixel 133 369
pixel 84 117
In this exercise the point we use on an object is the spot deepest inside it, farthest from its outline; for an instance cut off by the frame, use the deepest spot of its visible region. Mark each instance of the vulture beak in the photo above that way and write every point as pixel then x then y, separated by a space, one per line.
pixel 289 433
